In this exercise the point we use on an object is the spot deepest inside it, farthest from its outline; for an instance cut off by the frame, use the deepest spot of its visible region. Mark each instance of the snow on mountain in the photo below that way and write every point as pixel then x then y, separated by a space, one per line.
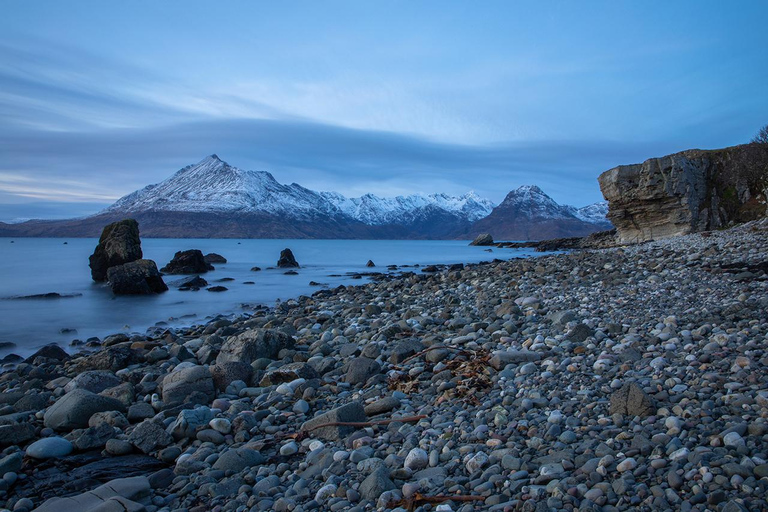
pixel 530 202
pixel 212 185
pixel 595 213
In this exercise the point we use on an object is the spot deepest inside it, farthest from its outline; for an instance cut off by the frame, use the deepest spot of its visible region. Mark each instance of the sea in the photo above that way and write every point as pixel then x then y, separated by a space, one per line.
pixel 32 266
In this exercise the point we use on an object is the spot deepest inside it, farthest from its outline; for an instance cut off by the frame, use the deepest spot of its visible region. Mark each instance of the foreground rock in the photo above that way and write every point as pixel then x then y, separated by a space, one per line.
pixel 187 262
pixel 119 244
pixel 687 192
pixel 139 277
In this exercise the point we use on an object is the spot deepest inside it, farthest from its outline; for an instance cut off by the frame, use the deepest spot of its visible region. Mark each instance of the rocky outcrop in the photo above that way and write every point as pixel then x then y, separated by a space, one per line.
pixel 139 277
pixel 187 262
pixel 119 244
pixel 482 239
pixel 287 260
pixel 687 192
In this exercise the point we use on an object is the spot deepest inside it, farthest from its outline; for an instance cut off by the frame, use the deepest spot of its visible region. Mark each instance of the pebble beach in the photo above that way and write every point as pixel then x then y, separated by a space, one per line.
pixel 630 378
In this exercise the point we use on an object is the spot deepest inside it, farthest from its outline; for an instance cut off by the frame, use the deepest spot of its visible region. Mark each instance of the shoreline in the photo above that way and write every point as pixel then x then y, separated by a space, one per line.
pixel 631 377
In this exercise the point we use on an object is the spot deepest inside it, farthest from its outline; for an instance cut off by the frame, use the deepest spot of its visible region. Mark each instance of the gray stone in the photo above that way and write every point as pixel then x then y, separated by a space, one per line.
pixel 95 437
pixel 178 386
pixel 361 369
pixel 139 277
pixel 254 344
pixel 16 434
pixel 631 400
pixel 49 447
pixel 482 239
pixel 381 406
pixel 351 412
pixel 148 436
pixel 189 421
pixel 238 459
pixel 74 409
pixel 119 243
pixel 94 381
pixel 375 484
pixel 287 373
pixel 502 358
pixel 580 333
pixel 228 372
pixel 114 496
pixel 140 411
pixel 10 463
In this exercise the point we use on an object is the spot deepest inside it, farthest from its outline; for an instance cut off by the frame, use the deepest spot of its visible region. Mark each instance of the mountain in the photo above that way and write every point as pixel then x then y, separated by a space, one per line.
pixel 212 199
pixel 527 213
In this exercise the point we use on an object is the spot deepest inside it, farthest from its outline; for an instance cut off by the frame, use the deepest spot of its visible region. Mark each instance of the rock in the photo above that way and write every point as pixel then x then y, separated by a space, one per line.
pixel 631 400
pixel 94 381
pixel 189 421
pixel 49 448
pixel 187 262
pixel 482 239
pixel 50 351
pixel 114 496
pixel 217 289
pixel 416 459
pixel 287 260
pixel 580 333
pixel 376 484
pixel 75 408
pixel 351 412
pixel 627 464
pixel 685 192
pixel 113 358
pixel 11 463
pixel 288 373
pixel 190 283
pixel 370 264
pixel 228 372
pixel 16 434
pixel 238 459
pixel 361 369
pixel 148 436
pixel 138 277
pixel 212 257
pixel 381 406
pixel 119 244
pixel 254 344
pixel 502 358
pixel 94 437
pixel 178 386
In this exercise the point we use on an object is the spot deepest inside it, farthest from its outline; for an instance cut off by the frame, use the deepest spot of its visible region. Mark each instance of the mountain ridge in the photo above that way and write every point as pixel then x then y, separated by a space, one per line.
pixel 214 199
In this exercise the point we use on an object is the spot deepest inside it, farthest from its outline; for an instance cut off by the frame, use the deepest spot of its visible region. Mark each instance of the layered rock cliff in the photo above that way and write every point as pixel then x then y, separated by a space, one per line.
pixel 690 191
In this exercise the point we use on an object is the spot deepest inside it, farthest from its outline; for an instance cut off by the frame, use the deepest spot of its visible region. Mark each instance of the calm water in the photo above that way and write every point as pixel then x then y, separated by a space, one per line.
pixel 40 265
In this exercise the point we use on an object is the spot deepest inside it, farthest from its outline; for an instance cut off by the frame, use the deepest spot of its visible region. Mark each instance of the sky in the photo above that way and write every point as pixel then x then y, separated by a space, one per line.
pixel 98 99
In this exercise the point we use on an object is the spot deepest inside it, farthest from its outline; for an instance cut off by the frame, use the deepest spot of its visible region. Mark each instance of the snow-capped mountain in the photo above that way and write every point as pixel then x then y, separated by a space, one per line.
pixel 212 199
pixel 527 213
pixel 596 213
pixel 213 186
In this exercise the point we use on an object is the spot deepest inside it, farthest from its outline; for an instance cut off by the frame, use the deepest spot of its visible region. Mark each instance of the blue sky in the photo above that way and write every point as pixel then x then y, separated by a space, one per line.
pixel 98 99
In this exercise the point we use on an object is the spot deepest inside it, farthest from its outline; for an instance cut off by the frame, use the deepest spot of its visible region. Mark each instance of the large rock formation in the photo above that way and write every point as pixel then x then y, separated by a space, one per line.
pixel 139 277
pixel 686 192
pixel 187 262
pixel 119 244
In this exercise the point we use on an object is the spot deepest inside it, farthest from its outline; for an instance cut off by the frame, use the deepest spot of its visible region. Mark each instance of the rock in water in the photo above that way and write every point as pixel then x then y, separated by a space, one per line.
pixel 187 262
pixel 483 239
pixel 138 277
pixel 287 260
pixel 119 244
pixel 212 257
pixel 370 264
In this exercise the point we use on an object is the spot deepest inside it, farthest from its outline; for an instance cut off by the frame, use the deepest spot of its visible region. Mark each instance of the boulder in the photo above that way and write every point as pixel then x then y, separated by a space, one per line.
pixel 180 385
pixel 226 373
pixel 686 192
pixel 360 369
pixel 16 434
pixel 287 260
pixel 114 496
pixel 119 244
pixel 189 421
pixel 187 262
pixel 501 358
pixel 352 412
pixel 376 484
pixel 49 448
pixel 370 264
pixel 212 257
pixel 190 283
pixel 139 277
pixel 94 381
pixel 74 409
pixel 148 436
pixel 631 400
pixel 482 239
pixel 254 344
pixel 287 373
pixel 50 351
pixel 236 460
pixel 95 437
pixel 111 358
